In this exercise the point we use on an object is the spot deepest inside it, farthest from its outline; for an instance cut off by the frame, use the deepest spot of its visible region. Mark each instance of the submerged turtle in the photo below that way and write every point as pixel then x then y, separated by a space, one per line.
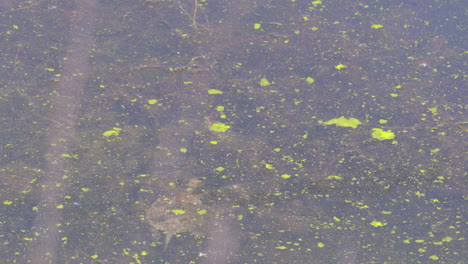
pixel 180 212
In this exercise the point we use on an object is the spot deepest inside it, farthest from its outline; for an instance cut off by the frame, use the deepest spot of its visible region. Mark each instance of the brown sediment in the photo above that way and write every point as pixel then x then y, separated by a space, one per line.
pixel 65 105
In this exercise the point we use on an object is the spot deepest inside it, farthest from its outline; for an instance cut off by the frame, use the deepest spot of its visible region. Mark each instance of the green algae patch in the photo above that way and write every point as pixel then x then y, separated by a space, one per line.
pixel 219 127
pixel 343 122
pixel 380 134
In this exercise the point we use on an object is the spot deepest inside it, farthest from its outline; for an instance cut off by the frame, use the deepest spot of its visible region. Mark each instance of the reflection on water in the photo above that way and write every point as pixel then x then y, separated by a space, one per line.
pixel 272 108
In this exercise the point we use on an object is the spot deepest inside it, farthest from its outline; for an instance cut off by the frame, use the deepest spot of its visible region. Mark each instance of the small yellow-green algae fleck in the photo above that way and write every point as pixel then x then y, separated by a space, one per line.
pixel 320 244
pixel 85 189
pixel 394 95
pixel 201 212
pixel 152 101
pixel 214 142
pixel 257 25
pixel 285 176
pixel 434 257
pixel 114 132
pixel 281 247
pixel 380 134
pixel 219 108
pixel 219 127
pixel 334 177
pixel 264 82
pixel 110 133
pixel 420 194
pixel 377 224
pixel 310 80
pixel 7 202
pixel 317 2
pixel 376 26
pixel 447 239
pixel 343 122
pixel 183 150
pixel 219 169
pixel 95 256
pixel 433 110
pixel 178 211
pixel 60 206
pixel 214 91
pixel 269 166
pixel 340 66
pixel 383 121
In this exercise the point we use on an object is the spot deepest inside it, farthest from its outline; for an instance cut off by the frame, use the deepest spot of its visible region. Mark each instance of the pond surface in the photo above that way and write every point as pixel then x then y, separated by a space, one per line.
pixel 189 131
